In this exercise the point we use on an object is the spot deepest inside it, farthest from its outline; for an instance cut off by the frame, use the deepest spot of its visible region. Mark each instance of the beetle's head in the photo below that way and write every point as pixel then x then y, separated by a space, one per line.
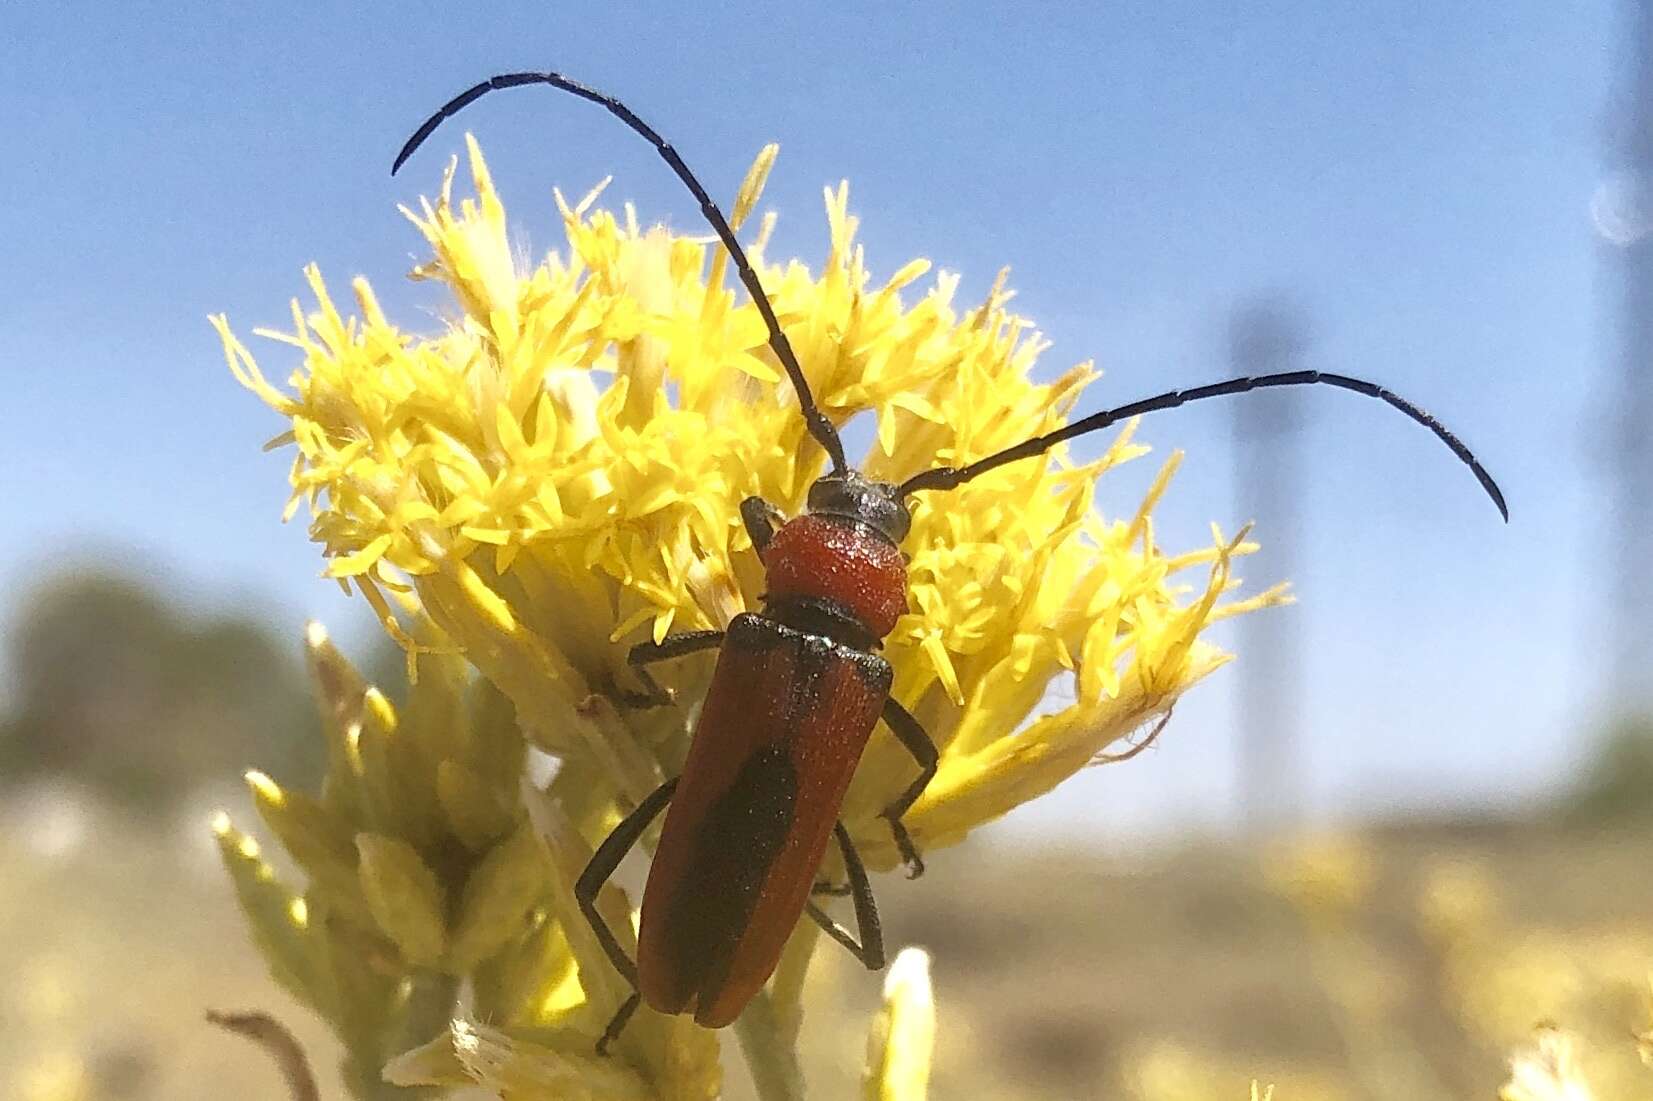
pixel 856 497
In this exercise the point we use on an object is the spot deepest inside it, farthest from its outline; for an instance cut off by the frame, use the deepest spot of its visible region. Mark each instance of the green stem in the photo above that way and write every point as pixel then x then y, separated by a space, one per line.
pixel 770 1056
pixel 429 1007
pixel 363 1079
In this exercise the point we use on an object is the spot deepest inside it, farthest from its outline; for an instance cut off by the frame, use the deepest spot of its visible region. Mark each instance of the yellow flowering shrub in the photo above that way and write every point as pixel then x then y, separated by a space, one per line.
pixel 555 476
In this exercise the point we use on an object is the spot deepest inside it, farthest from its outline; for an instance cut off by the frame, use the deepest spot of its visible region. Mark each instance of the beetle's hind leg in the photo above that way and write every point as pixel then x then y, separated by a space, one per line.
pixel 918 743
pixel 645 654
pixel 603 862
pixel 870 948
pixel 617 1024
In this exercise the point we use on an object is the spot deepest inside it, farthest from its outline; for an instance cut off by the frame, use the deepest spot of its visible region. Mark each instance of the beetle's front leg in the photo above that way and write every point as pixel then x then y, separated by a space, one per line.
pixel 918 743
pixel 761 519
pixel 672 646
pixel 603 862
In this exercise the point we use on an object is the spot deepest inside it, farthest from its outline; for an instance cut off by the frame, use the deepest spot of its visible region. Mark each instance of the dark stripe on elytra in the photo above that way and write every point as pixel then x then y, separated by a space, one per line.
pixel 746 828
pixel 737 842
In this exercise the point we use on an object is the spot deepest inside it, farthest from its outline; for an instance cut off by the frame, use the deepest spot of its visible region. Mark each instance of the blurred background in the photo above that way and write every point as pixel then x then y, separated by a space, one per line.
pixel 1413 819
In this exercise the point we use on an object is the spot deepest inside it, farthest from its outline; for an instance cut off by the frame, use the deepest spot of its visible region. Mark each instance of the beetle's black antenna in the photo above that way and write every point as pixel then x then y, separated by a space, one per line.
pixel 819 426
pixel 946 477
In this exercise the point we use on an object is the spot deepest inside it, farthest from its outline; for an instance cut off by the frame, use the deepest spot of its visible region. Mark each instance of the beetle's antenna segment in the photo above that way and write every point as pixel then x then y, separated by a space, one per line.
pixel 819 426
pixel 947 477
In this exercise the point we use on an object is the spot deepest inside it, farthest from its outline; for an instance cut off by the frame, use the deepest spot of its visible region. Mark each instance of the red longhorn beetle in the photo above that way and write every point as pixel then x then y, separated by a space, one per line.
pixel 797 690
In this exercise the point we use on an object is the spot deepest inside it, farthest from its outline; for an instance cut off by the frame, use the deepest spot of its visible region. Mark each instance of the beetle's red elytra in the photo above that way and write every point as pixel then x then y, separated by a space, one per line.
pixel 798 688
pixel 784 723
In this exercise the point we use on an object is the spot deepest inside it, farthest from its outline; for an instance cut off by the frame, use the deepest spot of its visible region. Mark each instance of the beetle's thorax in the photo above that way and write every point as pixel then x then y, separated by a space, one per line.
pixel 838 569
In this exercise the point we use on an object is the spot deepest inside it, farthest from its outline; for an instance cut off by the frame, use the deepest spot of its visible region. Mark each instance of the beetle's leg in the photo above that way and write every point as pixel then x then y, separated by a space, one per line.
pixel 672 646
pixel 603 862
pixel 617 1024
pixel 654 694
pixel 836 890
pixel 870 949
pixel 918 743
pixel 760 518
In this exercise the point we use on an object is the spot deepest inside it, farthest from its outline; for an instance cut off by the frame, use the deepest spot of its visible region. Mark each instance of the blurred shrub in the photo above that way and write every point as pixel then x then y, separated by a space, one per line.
pixel 114 687
pixel 1617 783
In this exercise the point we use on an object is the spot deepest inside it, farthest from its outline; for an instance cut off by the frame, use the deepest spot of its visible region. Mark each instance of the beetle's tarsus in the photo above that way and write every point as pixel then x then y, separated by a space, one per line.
pixel 912 736
pixel 618 1023
pixel 904 844
pixel 654 694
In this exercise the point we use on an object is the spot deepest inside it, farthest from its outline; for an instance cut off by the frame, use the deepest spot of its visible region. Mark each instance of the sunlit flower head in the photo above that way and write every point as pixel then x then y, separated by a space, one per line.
pixel 1325 876
pixel 1644 1040
pixel 902 1041
pixel 1547 1070
pixel 555 476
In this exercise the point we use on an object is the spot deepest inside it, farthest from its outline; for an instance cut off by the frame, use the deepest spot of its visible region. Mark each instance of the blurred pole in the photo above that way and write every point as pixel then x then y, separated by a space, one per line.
pixel 1267 335
pixel 1623 212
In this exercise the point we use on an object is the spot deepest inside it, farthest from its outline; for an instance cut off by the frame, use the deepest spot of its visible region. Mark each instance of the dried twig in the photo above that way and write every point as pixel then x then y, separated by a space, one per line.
pixel 1127 754
pixel 282 1046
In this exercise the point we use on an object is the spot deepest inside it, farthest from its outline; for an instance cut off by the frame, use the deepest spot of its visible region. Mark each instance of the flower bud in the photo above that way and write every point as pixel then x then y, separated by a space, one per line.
pixel 403 896
pixel 470 809
pixel 502 889
pixel 903 1034
pixel 315 837
pixel 276 917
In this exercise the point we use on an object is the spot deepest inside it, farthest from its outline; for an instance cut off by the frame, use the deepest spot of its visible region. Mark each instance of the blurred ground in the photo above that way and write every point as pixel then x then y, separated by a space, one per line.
pixel 115 938
pixel 1400 962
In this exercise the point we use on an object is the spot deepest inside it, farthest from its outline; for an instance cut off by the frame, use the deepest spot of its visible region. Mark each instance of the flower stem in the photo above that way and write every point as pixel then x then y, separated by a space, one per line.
pixel 430 1008
pixel 770 1056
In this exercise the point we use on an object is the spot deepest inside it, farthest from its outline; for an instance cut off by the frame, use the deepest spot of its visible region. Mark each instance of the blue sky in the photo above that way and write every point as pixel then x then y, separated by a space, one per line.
pixel 1417 176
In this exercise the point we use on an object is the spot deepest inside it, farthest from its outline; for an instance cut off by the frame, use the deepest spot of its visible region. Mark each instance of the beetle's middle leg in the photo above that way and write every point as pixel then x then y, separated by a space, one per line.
pixel 603 862
pixel 918 743
pixel 672 646
pixel 870 949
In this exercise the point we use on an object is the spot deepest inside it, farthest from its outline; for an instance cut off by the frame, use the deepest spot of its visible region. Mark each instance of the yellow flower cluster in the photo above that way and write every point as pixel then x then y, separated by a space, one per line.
pixel 557 476
pixel 423 874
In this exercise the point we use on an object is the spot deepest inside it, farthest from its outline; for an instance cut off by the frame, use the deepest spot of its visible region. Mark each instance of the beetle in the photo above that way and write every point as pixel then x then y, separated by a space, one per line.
pixel 798 687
